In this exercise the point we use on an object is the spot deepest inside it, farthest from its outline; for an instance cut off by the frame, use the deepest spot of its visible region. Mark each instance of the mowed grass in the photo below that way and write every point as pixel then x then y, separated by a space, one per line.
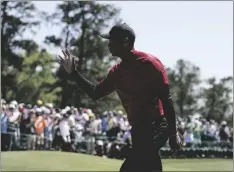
pixel 61 161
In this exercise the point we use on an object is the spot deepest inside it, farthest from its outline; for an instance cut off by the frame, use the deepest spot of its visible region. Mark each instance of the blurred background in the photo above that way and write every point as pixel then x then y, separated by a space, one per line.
pixel 40 107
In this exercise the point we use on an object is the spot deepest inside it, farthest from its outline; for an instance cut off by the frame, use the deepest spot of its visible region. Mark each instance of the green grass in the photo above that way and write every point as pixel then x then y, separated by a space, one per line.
pixel 61 161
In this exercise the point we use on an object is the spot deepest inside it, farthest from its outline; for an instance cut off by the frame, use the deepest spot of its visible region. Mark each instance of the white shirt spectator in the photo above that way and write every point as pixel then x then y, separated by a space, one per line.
pixel 79 126
pixel 198 123
pixel 65 129
pixel 206 126
pixel 85 116
pixel 227 130
pixel 72 120
pixel 95 126
pixel 212 129
pixel 79 132
pixel 15 115
pixel 122 124
pixel 189 133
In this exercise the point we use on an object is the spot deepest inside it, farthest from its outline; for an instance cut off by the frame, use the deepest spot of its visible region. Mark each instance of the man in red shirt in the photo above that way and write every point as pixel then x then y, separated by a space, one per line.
pixel 143 88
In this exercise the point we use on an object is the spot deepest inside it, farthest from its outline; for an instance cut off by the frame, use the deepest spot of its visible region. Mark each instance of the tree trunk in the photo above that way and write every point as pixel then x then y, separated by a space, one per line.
pixel 4 42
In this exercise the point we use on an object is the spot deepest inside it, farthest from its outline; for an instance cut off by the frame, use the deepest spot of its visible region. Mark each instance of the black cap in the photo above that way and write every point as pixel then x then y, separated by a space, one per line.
pixel 120 31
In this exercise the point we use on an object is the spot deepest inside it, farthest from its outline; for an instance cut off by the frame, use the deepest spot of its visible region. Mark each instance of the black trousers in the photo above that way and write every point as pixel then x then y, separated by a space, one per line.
pixel 147 139
pixel 4 141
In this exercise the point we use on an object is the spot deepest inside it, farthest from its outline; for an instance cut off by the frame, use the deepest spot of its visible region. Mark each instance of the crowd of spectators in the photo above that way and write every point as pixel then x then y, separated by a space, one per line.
pixel 197 130
pixel 45 127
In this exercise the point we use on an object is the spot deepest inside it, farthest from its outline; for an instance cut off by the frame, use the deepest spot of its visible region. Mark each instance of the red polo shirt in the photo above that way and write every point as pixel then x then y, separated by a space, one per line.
pixel 138 82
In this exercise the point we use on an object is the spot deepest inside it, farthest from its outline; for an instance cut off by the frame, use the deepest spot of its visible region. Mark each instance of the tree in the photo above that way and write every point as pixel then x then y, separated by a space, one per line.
pixel 217 98
pixel 183 81
pixel 17 17
pixel 34 81
pixel 81 22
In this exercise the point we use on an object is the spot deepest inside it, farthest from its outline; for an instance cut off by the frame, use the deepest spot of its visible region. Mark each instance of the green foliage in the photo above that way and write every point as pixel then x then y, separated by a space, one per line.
pixel 190 97
pixel 16 19
pixel 183 81
pixel 218 103
pixel 35 78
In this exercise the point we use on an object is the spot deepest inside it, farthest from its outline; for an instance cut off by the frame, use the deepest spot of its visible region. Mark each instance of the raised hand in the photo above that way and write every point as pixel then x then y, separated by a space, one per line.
pixel 67 61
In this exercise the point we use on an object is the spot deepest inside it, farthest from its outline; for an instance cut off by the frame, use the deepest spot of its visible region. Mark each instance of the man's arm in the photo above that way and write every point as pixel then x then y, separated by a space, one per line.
pixel 85 85
pixel 95 92
pixel 160 84
pixel 169 112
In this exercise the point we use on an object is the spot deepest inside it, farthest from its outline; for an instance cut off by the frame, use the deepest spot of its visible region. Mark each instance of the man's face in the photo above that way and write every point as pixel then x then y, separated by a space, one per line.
pixel 116 47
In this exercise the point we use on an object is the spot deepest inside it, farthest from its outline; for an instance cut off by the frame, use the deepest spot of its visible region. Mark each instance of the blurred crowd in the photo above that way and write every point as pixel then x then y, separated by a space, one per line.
pixel 197 130
pixel 42 126
pixel 45 127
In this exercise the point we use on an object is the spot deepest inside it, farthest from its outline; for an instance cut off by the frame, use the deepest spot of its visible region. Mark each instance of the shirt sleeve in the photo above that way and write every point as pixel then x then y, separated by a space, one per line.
pixel 107 85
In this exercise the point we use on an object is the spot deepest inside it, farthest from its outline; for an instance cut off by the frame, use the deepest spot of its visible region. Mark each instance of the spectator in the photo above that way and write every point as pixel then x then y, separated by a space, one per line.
pixel 85 116
pixel 13 126
pixel 127 136
pixel 40 125
pixel 224 132
pixel 32 130
pixel 57 138
pixel 188 135
pixel 105 123
pixel 124 124
pixel 65 131
pixel 112 133
pixel 231 135
pixel 82 128
pixel 24 126
pixel 78 131
pixel 4 122
pixel 210 131
pixel 197 133
pixel 112 121
pixel 93 128
pixel 47 128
